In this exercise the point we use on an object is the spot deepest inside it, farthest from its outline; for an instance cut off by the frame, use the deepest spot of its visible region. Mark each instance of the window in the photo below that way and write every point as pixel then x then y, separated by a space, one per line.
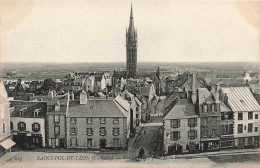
pixel 73 131
pixel 89 131
pixel 89 120
pixel 256 116
pixel 73 120
pixel 249 140
pixel 116 142
pixel 35 127
pixel 21 126
pixel 102 120
pixel 213 132
pixel 175 135
pixel 116 131
pixel 192 122
pixel 192 134
pixel 240 128
pixel 57 130
pixel 256 129
pixel 89 143
pixel 250 115
pixel 205 133
pixel 3 131
pixel 205 108
pixel 213 107
pixel 240 116
pixel 214 120
pixel 11 125
pixel 102 131
pixel 175 123
pixel 56 118
pixel 204 121
pixel 250 127
pixel 116 120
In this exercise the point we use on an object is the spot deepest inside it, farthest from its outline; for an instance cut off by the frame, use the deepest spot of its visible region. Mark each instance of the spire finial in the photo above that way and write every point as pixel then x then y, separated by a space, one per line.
pixel 131 24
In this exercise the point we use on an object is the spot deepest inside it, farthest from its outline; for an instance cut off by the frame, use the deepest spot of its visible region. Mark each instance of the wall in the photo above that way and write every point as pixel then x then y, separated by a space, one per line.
pixel 29 122
pixel 81 136
pixel 184 128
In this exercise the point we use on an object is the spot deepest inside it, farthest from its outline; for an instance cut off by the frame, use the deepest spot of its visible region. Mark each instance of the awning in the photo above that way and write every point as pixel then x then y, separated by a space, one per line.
pixel 7 143
pixel 210 139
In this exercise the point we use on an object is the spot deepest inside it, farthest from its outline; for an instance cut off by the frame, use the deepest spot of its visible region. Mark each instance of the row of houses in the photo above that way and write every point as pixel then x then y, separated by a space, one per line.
pixel 203 120
pixel 62 121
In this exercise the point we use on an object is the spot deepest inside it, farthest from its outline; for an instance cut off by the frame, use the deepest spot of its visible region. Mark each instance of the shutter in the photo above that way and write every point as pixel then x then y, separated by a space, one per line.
pixel 39 127
pixel 105 131
pixel 195 134
pixel 171 121
pixel 24 126
pixel 33 127
pixel 195 122
pixel 171 137
pixel 179 123
pixel 179 135
pixel 94 143
pixel 188 134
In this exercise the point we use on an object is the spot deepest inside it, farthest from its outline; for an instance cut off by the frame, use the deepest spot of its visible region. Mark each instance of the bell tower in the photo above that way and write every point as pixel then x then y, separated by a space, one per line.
pixel 131 47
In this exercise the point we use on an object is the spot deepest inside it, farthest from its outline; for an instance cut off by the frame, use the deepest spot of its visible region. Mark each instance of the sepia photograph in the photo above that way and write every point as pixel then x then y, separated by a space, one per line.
pixel 121 83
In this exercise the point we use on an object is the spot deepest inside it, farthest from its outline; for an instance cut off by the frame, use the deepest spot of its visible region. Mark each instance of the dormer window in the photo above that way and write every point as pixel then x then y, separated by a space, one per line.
pixel 22 110
pixel 36 112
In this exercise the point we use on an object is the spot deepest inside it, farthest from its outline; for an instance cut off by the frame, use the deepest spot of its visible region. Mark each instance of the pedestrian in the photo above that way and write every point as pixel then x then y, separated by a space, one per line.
pixel 141 153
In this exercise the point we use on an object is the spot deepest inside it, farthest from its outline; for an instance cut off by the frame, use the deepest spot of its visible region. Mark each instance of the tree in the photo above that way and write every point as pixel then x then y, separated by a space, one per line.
pixel 48 84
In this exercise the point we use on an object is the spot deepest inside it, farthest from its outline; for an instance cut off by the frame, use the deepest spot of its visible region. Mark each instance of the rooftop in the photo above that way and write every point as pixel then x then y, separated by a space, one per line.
pixel 28 108
pixel 183 109
pixel 97 108
pixel 240 99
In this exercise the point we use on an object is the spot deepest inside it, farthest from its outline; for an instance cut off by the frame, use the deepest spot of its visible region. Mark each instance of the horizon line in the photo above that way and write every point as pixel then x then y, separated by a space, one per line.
pixel 137 63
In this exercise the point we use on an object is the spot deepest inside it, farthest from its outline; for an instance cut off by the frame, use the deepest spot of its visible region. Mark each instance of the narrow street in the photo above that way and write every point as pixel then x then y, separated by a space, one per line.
pixel 148 135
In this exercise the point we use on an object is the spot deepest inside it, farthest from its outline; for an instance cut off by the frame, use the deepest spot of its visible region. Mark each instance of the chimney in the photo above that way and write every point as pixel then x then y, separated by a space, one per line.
pixel 50 94
pixel 57 106
pixel 83 97
pixel 194 93
pixel 72 95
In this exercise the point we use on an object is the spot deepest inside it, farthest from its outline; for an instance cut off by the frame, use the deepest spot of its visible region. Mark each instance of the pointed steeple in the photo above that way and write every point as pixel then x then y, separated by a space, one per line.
pixel 131 23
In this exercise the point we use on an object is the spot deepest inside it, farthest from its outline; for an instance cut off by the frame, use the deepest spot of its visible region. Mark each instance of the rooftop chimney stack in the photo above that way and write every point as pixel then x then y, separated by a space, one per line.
pixel 83 97
pixel 194 92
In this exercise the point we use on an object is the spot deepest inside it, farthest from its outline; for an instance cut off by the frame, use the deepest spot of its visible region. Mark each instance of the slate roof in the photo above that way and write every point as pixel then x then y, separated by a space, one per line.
pixel 98 76
pixel 45 98
pixel 203 95
pixel 97 108
pixel 29 108
pixel 145 91
pixel 183 109
pixel 224 108
pixel 241 99
pixel 124 103
pixel 255 88
pixel 120 74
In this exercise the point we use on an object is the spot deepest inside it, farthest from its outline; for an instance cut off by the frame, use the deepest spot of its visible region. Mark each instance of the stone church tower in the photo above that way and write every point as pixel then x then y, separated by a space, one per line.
pixel 131 48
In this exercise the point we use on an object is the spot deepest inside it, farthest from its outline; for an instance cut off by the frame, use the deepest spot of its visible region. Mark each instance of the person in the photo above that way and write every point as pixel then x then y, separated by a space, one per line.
pixel 141 152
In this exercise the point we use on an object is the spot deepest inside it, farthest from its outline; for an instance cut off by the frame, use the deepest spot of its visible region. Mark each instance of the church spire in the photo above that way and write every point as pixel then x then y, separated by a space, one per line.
pixel 131 23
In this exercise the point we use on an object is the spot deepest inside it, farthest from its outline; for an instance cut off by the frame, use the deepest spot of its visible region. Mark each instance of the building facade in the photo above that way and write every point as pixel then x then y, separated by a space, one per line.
pixel 28 123
pixel 5 134
pixel 97 123
pixel 246 113
pixel 181 129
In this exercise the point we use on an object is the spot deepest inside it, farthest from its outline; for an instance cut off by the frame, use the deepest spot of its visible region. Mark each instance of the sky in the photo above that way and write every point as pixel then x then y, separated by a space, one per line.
pixel 68 31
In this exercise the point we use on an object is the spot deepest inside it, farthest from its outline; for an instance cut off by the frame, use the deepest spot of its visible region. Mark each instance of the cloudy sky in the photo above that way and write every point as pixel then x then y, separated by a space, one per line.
pixel 94 31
